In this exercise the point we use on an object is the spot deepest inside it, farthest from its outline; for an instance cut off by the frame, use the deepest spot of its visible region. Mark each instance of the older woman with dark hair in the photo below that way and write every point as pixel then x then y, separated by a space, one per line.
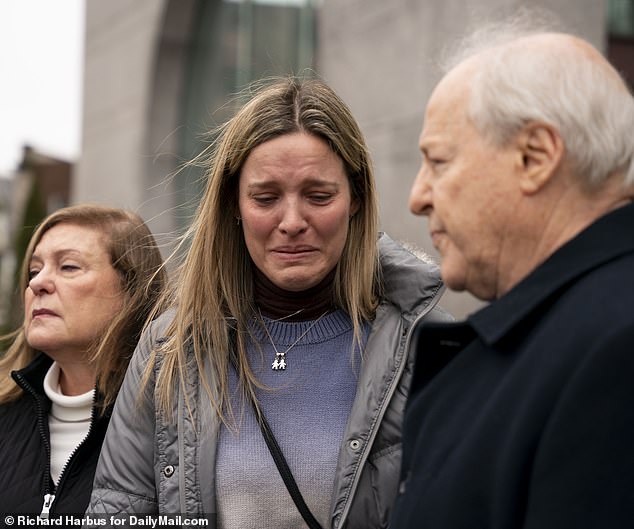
pixel 90 277
pixel 282 341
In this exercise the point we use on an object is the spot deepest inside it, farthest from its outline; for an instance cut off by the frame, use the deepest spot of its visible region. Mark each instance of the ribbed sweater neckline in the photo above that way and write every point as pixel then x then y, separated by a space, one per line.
pixel 284 332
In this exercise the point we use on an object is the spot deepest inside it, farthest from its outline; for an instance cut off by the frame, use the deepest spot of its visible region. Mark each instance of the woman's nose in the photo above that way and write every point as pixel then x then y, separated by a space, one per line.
pixel 420 196
pixel 42 282
pixel 293 219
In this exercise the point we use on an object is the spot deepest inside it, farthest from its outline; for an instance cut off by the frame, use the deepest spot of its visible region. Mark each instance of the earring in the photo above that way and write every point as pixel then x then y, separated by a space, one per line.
pixel 238 219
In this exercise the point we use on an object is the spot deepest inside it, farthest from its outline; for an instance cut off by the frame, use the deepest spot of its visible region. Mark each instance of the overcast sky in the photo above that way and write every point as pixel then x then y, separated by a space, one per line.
pixel 41 69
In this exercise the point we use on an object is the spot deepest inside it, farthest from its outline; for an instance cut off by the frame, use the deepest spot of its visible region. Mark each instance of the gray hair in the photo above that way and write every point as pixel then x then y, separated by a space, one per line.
pixel 585 99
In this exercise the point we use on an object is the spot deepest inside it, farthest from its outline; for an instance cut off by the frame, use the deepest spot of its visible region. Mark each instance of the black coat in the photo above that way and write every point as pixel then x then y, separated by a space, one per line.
pixel 25 476
pixel 523 416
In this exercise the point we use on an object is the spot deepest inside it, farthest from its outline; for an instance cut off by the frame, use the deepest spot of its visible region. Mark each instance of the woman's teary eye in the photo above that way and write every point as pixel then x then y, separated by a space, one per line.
pixel 264 199
pixel 320 197
pixel 33 272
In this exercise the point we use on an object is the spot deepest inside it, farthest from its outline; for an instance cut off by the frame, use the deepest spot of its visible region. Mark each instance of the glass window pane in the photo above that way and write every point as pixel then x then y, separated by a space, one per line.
pixel 621 17
pixel 235 42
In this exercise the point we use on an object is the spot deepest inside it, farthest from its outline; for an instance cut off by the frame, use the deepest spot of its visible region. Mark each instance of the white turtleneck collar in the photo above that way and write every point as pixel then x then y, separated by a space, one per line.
pixel 68 420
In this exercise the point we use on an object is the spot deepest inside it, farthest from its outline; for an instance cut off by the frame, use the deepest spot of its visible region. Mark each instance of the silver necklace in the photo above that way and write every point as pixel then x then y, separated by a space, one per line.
pixel 279 364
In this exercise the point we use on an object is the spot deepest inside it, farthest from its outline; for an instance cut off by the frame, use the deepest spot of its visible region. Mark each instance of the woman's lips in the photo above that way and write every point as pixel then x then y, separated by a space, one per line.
pixel 42 312
pixel 293 253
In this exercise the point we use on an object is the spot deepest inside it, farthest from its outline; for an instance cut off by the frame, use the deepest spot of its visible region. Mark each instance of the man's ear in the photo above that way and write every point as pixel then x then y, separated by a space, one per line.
pixel 542 150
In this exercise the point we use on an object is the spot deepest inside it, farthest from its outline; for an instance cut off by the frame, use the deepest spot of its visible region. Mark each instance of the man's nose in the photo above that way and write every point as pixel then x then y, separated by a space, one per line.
pixel 420 196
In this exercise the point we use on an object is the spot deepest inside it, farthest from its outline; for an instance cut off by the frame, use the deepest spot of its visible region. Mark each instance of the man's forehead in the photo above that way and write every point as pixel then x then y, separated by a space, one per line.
pixel 445 111
pixel 449 99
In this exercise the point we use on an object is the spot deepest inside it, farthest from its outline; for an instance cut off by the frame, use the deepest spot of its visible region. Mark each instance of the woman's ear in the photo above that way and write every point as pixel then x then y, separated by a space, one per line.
pixel 542 151
pixel 354 207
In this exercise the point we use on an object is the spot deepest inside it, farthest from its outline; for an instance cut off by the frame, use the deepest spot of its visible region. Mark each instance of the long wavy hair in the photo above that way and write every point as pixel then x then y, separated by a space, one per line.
pixel 137 260
pixel 212 295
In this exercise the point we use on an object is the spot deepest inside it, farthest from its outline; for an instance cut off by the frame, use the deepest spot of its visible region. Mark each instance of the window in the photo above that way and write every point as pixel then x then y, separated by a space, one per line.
pixel 621 18
pixel 620 45
pixel 235 42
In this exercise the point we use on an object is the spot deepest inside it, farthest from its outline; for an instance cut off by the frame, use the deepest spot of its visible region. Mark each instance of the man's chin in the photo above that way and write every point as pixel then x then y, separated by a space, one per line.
pixel 453 276
pixel 458 283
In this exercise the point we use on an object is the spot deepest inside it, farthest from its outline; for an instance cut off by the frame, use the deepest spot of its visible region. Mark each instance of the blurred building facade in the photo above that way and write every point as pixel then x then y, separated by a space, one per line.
pixel 7 254
pixel 40 185
pixel 160 74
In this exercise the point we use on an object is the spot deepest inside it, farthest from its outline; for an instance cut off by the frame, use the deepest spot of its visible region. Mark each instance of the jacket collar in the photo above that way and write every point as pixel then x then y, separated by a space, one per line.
pixel 410 282
pixel 33 374
pixel 608 238
pixel 31 378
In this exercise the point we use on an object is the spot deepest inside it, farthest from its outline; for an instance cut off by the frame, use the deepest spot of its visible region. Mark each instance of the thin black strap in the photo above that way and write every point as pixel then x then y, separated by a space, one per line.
pixel 280 462
pixel 287 475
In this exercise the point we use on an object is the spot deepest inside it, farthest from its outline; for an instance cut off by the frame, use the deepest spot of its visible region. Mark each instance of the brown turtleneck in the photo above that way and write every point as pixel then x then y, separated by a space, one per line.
pixel 276 303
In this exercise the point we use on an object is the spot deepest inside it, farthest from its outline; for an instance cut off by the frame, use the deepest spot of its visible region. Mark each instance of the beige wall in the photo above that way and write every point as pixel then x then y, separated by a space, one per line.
pixel 380 58
pixel 121 37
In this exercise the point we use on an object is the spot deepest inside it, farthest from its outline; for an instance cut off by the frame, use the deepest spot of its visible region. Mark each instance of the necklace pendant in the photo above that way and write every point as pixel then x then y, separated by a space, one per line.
pixel 279 364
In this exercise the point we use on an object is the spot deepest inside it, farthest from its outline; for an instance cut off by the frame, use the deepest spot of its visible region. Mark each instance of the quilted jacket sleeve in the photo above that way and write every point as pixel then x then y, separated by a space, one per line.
pixel 125 480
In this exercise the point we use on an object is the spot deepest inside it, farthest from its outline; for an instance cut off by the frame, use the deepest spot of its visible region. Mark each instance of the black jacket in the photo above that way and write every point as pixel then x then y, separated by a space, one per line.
pixel 523 416
pixel 25 477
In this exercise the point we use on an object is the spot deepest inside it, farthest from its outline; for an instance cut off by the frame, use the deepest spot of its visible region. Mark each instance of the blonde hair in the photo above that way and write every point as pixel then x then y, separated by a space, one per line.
pixel 213 294
pixel 135 256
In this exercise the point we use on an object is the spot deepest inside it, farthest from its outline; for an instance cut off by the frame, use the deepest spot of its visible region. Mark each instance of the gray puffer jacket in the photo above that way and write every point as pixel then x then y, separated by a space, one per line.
pixel 150 465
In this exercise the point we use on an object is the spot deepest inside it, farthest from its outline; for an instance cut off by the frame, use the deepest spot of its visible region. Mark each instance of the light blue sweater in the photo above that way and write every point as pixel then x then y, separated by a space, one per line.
pixel 307 407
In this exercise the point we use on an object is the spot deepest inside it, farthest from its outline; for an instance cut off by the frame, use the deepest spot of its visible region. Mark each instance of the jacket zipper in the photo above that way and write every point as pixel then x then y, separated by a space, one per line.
pixel 364 456
pixel 71 457
pixel 46 507
pixel 48 497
